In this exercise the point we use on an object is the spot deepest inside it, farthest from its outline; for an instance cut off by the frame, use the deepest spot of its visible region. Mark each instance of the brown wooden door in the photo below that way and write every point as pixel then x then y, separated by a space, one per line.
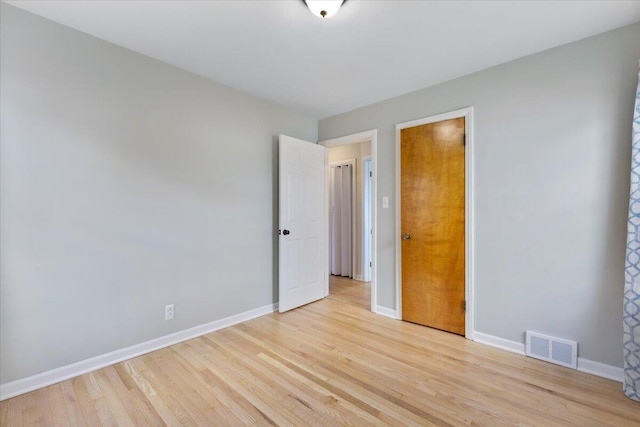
pixel 433 215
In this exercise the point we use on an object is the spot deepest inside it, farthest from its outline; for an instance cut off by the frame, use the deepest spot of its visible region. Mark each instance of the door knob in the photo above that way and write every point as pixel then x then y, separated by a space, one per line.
pixel 285 232
pixel 406 236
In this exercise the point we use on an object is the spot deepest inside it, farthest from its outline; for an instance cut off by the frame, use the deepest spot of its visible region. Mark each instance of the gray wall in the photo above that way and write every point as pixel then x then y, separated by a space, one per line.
pixel 126 185
pixel 552 156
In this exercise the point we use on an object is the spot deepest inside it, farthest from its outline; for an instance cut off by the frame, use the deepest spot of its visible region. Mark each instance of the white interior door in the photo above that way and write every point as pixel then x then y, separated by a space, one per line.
pixel 368 227
pixel 303 263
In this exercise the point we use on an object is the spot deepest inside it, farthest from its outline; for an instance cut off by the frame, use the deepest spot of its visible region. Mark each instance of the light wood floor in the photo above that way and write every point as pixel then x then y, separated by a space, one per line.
pixel 326 364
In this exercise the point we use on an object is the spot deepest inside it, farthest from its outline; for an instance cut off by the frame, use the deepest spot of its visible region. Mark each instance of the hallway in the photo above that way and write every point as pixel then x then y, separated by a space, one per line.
pixel 349 291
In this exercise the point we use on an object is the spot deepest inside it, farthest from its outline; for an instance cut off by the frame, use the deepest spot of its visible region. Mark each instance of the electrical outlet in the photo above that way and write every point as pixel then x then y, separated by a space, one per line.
pixel 168 312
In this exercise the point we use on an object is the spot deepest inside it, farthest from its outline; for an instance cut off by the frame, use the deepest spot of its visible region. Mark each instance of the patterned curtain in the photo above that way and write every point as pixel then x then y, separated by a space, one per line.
pixel 631 313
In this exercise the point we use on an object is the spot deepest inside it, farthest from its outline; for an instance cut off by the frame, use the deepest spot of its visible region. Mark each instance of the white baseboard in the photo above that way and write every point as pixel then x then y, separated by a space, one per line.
pixel 25 385
pixel 600 369
pixel 493 341
pixel 384 311
pixel 584 365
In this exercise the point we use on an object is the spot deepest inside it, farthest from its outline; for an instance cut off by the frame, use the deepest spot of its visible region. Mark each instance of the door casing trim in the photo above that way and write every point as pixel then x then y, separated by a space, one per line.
pixel 367 135
pixel 467 113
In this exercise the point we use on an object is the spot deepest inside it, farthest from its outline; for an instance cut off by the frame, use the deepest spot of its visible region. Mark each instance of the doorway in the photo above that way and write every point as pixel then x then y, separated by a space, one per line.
pixel 353 150
pixel 434 222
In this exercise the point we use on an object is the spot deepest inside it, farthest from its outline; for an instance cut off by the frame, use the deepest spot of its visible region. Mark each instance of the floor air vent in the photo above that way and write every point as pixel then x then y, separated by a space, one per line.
pixel 552 349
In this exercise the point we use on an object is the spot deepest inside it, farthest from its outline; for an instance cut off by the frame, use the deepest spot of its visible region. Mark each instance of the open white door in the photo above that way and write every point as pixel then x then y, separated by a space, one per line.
pixel 303 266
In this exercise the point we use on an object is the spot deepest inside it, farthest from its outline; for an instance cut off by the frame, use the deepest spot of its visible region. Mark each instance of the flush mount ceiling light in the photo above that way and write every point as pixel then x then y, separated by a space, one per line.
pixel 324 8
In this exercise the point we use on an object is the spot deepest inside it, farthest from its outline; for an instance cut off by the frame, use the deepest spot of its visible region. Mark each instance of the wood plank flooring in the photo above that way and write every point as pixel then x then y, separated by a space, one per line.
pixel 351 292
pixel 329 363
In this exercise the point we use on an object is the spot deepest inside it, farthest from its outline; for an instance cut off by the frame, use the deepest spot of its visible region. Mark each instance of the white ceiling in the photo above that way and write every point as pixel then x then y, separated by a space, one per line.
pixel 367 52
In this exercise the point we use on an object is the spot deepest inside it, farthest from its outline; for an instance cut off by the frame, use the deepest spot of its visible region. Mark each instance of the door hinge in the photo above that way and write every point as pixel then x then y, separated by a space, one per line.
pixel 464 139
pixel 370 265
pixel 370 174
pixel 464 306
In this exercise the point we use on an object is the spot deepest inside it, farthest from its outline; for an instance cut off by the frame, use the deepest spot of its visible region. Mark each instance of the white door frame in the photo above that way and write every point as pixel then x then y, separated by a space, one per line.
pixel 467 113
pixel 368 135
pixel 352 163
